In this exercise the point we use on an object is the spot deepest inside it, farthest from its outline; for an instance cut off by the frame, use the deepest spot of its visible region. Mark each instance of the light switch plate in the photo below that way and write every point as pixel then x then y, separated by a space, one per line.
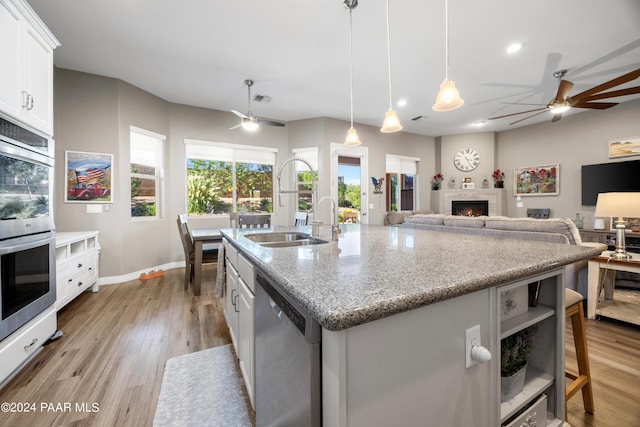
pixel 94 208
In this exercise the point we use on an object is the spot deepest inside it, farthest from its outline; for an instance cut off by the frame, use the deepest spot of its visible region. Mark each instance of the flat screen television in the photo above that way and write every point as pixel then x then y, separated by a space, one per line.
pixel 609 177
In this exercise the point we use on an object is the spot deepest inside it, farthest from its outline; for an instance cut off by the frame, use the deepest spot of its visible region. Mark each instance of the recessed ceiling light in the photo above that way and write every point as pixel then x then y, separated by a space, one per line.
pixel 402 102
pixel 479 123
pixel 513 48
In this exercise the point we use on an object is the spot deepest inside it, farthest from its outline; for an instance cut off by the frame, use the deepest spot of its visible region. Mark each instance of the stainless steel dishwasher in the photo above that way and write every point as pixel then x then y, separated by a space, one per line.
pixel 287 360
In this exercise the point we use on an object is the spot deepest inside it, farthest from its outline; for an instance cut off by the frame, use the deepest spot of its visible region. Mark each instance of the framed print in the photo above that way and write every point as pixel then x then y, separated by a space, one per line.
pixel 624 147
pixel 537 180
pixel 633 224
pixel 88 177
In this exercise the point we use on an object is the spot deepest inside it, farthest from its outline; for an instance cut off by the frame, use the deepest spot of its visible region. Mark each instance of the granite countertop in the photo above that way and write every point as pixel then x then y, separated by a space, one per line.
pixel 373 271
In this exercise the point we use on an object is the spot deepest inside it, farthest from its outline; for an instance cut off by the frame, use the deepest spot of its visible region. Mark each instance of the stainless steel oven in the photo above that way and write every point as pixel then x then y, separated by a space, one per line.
pixel 27 232
pixel 27 280
pixel 26 178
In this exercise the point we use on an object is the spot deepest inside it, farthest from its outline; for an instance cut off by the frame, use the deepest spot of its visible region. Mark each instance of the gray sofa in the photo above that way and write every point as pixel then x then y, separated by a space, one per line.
pixel 397 218
pixel 552 230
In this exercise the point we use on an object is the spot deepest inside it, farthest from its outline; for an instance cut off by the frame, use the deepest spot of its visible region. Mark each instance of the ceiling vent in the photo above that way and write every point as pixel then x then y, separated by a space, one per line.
pixel 262 98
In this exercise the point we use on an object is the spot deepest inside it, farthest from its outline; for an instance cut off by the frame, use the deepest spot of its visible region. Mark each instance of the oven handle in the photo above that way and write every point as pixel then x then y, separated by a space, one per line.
pixel 27 242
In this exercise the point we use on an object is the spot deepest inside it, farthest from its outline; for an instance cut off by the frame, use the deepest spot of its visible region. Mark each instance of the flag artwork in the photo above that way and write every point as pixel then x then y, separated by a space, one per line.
pixel 88 177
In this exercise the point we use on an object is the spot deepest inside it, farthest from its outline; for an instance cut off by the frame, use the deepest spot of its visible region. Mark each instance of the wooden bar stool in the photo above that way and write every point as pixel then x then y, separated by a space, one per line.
pixel 581 380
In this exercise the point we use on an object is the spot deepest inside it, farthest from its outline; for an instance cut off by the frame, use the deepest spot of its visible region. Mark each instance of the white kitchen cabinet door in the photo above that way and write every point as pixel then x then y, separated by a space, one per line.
pixel 247 337
pixel 231 304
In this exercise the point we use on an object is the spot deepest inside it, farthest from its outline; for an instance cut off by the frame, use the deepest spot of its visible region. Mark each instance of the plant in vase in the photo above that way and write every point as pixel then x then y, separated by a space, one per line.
pixel 498 178
pixel 514 352
pixel 436 181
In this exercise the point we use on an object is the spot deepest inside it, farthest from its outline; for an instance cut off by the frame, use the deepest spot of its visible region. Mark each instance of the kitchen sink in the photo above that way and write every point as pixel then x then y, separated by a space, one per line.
pixel 284 239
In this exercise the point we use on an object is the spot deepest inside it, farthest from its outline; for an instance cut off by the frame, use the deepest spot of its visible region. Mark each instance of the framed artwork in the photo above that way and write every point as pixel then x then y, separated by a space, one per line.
pixel 537 180
pixel 633 224
pixel 88 177
pixel 624 147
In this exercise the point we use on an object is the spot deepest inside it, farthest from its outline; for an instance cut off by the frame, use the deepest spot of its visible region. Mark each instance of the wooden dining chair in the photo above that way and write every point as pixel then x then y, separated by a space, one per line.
pixel 254 220
pixel 209 256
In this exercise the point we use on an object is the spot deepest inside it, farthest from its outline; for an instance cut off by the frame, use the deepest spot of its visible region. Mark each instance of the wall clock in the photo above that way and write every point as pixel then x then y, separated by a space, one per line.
pixel 466 159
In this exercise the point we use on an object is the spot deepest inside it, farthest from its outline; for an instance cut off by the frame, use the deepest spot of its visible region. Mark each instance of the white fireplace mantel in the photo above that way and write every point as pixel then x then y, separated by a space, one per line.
pixel 441 199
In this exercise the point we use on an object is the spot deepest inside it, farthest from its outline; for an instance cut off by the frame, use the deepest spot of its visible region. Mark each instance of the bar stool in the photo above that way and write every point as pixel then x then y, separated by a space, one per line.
pixel 581 380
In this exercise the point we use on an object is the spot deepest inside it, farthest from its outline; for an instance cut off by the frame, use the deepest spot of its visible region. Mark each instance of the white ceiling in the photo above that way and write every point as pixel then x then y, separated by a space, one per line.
pixel 199 52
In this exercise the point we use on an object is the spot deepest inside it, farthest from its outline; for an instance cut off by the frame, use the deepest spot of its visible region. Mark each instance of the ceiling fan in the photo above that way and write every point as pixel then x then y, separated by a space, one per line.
pixel 249 121
pixel 563 102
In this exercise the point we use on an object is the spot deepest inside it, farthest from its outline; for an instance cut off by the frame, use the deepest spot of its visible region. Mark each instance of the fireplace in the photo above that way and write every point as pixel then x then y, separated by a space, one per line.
pixel 470 207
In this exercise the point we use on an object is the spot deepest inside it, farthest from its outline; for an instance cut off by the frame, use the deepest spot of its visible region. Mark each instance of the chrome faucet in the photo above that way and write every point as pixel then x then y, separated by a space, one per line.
pixel 314 185
pixel 335 230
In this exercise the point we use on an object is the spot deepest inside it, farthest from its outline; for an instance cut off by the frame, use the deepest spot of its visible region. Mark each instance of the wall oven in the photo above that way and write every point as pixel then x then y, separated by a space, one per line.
pixel 27 232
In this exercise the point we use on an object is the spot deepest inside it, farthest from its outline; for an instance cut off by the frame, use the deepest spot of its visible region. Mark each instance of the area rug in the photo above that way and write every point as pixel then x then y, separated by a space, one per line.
pixel 202 389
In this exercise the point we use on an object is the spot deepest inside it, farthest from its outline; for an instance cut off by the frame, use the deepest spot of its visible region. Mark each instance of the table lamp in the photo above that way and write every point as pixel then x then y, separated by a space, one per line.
pixel 619 206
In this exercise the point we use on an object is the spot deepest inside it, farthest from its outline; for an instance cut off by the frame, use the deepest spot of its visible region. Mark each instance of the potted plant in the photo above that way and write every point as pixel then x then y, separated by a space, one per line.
pixel 515 349
pixel 436 181
pixel 498 178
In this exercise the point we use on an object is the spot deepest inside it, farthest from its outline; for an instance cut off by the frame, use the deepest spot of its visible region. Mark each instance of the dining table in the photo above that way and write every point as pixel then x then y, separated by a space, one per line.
pixel 201 236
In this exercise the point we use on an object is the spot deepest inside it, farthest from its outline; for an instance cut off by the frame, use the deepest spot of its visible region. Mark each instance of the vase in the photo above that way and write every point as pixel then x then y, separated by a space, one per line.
pixel 435 187
pixel 513 385
pixel 499 184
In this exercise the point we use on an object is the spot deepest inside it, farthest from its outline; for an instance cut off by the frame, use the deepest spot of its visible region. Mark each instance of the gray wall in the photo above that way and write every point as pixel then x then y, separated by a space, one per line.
pixel 94 114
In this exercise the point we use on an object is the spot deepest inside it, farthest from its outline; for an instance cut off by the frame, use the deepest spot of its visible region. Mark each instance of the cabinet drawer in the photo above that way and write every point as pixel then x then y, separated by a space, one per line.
pixel 245 270
pixel 232 255
pixel 23 343
pixel 77 265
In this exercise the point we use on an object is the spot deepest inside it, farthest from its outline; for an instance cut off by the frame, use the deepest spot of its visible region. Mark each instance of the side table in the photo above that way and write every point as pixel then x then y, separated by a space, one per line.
pixel 600 265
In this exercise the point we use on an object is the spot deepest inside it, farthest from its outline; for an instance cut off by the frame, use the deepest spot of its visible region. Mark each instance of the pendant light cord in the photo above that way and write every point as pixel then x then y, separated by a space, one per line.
pixel 389 53
pixel 351 62
pixel 446 38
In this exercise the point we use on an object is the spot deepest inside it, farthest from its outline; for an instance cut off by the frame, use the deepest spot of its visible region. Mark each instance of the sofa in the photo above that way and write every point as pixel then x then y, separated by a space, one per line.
pixel 552 230
pixel 397 218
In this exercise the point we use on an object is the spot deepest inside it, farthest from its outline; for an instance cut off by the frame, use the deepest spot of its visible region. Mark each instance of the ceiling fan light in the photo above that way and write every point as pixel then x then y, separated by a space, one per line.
pixel 559 110
pixel 250 125
pixel 391 122
pixel 352 137
pixel 448 97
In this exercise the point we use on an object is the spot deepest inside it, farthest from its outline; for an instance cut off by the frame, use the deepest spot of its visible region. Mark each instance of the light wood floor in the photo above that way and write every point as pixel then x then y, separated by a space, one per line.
pixel 117 341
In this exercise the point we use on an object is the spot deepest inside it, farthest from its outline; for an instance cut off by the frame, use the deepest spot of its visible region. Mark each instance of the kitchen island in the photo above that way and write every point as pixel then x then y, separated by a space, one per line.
pixel 394 305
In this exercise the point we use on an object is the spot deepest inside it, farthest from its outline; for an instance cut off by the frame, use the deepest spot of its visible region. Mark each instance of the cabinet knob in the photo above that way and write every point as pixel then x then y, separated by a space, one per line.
pixel 80 284
pixel 480 354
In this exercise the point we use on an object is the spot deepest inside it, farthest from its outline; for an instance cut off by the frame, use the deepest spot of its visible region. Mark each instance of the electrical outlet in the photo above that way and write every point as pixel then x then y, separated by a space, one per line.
pixel 472 337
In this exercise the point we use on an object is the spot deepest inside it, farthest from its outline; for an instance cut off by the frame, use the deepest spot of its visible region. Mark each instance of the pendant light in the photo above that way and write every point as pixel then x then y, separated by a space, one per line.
pixel 352 135
pixel 448 98
pixel 391 122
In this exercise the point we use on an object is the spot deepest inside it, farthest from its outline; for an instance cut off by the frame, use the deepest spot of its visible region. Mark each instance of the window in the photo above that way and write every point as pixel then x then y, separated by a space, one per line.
pixel 146 171
pixel 223 178
pixel 401 176
pixel 304 176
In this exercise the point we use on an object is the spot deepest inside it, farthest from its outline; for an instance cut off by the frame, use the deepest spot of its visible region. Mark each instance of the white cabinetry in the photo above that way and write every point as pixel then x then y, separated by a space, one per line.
pixel 239 313
pixel 545 365
pixel 26 77
pixel 18 348
pixel 76 265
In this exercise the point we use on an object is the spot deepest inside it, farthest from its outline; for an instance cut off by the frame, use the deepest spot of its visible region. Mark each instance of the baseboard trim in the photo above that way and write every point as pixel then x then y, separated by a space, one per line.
pixel 114 280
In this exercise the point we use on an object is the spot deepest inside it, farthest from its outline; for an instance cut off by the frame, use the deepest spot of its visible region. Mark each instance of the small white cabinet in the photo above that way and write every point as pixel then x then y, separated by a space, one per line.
pixel 239 313
pixel 77 265
pixel 26 77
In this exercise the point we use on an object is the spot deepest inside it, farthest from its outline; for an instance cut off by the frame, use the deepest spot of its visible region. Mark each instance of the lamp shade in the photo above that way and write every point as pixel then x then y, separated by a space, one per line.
pixel 352 137
pixel 625 205
pixel 391 122
pixel 448 98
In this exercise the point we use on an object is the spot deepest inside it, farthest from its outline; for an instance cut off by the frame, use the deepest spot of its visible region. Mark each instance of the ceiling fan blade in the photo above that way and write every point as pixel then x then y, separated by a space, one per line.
pixel 563 91
pixel 556 117
pixel 613 94
pixel 515 114
pixel 608 85
pixel 239 114
pixel 270 123
pixel 595 105
pixel 528 117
